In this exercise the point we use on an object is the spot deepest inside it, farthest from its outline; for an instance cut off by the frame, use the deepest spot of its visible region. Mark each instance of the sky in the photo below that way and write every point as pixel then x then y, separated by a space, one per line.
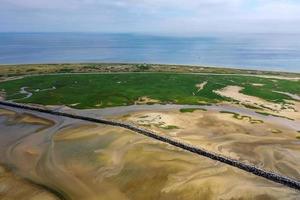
pixel 178 17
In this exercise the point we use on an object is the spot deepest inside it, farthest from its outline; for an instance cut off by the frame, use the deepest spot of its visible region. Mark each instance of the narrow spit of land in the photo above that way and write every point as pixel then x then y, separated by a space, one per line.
pixel 284 180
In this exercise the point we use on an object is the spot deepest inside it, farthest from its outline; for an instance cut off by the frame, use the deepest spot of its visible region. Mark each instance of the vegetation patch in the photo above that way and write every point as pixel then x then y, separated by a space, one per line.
pixel 269 114
pixel 169 127
pixel 143 67
pixel 243 117
pixel 186 110
pixel 252 107
pixel 65 70
pixel 144 116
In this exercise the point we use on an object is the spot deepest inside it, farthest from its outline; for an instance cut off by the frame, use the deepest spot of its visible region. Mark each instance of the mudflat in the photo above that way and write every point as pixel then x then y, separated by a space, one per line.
pixel 251 139
pixel 80 160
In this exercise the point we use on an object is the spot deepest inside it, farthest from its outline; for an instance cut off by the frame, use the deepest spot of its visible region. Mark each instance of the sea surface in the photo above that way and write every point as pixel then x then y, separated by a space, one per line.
pixel 253 51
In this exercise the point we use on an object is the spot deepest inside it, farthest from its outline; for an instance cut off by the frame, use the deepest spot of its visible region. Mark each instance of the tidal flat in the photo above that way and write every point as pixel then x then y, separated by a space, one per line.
pixel 248 137
pixel 76 160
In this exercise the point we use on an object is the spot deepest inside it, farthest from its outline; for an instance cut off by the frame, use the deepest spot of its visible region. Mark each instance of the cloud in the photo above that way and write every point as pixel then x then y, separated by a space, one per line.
pixel 151 16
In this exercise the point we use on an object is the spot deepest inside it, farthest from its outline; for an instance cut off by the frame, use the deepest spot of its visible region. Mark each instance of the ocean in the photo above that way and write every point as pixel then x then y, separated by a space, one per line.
pixel 280 52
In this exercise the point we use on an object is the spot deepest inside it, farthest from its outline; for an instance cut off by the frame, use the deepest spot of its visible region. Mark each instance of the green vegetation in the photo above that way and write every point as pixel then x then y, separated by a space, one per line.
pixel 169 127
pixel 235 115
pixel 263 113
pixel 228 112
pixel 143 67
pixel 117 89
pixel 185 110
pixel 30 70
pixel 144 116
pixel 252 107
pixel 242 117
pixel 65 70
pixel 269 114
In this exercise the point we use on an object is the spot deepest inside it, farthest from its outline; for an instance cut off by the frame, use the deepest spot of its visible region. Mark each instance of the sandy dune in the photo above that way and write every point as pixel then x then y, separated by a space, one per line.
pixel 234 92
pixel 292 110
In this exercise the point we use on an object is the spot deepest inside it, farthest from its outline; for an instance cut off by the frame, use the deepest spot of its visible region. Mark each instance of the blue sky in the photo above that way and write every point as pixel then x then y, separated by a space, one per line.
pixel 178 17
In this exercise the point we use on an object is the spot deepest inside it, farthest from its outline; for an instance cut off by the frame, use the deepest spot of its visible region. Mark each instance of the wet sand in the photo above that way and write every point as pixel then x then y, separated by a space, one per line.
pixel 13 187
pixel 270 145
pixel 112 112
pixel 81 160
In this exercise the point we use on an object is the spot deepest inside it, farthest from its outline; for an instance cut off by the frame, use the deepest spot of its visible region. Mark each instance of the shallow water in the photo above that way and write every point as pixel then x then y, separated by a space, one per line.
pixel 81 160
pixel 124 110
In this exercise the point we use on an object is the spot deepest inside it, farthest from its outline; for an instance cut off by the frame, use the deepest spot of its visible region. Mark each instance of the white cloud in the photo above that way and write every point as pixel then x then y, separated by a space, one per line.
pixel 165 16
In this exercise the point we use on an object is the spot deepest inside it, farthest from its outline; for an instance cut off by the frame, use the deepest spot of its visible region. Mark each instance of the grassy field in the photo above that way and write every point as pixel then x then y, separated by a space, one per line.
pixel 117 89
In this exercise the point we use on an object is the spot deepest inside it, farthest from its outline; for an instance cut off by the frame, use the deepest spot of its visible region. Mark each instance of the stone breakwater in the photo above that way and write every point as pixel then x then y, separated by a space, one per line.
pixel 275 177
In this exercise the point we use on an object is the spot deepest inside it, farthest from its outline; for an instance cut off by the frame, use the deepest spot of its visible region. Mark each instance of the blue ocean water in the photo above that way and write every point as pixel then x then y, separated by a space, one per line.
pixel 253 51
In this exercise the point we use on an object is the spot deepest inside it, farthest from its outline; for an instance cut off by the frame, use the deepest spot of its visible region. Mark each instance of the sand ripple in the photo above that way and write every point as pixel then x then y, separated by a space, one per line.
pixel 86 161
